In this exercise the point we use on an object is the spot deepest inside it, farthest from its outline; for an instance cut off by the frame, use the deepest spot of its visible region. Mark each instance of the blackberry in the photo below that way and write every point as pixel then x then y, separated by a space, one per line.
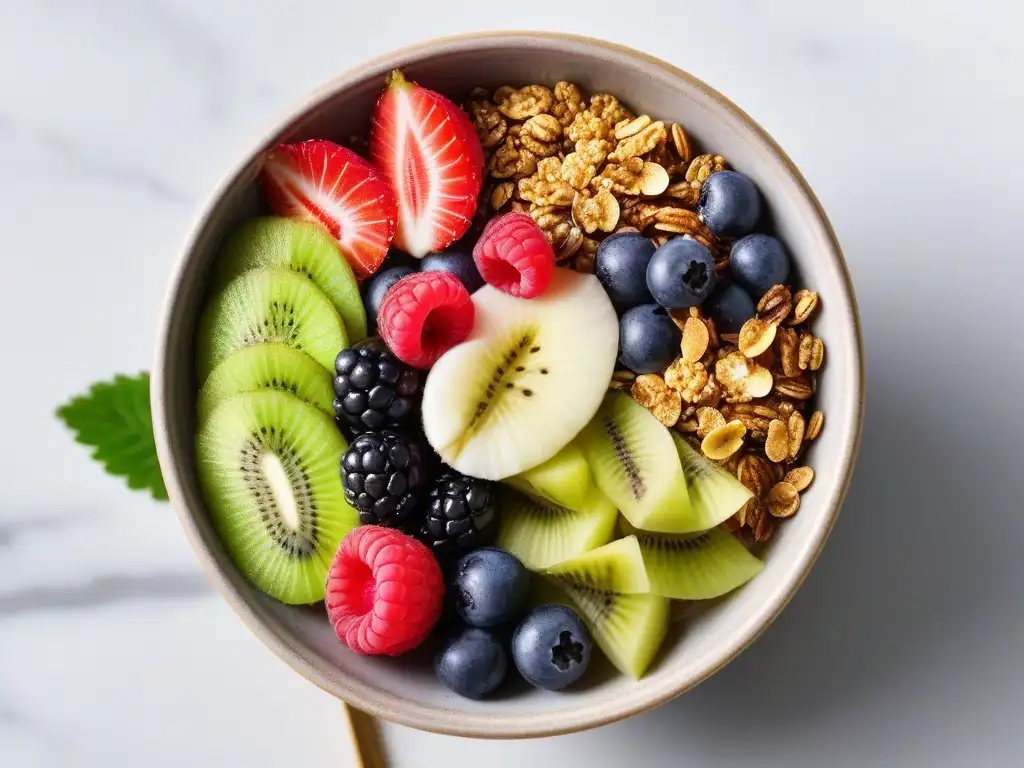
pixel 382 474
pixel 373 388
pixel 461 513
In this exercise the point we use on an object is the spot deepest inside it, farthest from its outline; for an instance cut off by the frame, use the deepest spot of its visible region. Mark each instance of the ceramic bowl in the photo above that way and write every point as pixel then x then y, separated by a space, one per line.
pixel 404 690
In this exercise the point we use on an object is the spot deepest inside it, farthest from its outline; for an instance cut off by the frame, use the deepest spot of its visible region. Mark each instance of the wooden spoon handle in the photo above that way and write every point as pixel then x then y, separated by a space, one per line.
pixel 364 733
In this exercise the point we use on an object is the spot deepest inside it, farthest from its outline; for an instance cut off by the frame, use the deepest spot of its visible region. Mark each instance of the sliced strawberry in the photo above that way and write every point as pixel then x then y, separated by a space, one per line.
pixel 321 181
pixel 429 150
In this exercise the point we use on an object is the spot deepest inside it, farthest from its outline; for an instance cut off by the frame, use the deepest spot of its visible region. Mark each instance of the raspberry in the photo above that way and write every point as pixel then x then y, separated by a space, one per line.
pixel 514 255
pixel 423 316
pixel 384 591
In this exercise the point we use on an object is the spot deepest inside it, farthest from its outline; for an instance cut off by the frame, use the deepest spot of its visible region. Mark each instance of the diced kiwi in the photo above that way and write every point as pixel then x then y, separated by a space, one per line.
pixel 267 366
pixel 563 479
pixel 541 533
pixel 715 494
pixel 305 248
pixel 635 464
pixel 615 567
pixel 268 465
pixel 270 304
pixel 695 566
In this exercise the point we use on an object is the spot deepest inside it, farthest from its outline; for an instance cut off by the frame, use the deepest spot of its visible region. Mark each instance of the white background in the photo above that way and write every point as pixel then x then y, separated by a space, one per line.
pixel 902 649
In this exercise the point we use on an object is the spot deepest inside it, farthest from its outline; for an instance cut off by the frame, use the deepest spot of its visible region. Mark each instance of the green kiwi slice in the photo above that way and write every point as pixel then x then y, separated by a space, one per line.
pixel 272 365
pixel 563 479
pixel 695 567
pixel 542 533
pixel 715 493
pixel 268 465
pixel 615 567
pixel 307 249
pixel 270 304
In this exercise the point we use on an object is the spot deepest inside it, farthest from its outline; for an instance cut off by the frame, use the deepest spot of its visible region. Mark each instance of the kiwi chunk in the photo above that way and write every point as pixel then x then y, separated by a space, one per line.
pixel 715 493
pixel 268 465
pixel 635 464
pixel 615 567
pixel 267 366
pixel 696 566
pixel 542 533
pixel 563 479
pixel 271 304
pixel 305 248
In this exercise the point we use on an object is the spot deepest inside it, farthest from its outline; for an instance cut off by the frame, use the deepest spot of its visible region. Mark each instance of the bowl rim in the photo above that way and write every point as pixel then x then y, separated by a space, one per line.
pixel 388 706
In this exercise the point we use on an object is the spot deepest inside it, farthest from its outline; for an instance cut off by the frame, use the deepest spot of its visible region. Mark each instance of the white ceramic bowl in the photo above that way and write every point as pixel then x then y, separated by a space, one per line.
pixel 405 690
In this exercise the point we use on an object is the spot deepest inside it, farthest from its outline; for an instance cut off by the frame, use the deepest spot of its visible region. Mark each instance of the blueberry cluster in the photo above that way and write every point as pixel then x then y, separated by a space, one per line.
pixel 645 282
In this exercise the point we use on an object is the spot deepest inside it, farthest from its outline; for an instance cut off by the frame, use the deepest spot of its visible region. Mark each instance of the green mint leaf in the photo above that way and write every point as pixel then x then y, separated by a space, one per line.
pixel 113 417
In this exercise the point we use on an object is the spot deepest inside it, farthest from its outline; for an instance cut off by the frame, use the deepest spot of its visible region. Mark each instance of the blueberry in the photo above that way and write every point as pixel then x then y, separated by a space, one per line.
pixel 681 273
pixel 377 287
pixel 490 587
pixel 621 266
pixel 730 307
pixel 758 262
pixel 473 663
pixel 648 339
pixel 551 647
pixel 458 263
pixel 729 204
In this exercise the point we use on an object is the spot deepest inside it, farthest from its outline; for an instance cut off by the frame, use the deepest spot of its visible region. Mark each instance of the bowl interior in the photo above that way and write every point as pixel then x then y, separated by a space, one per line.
pixel 704 637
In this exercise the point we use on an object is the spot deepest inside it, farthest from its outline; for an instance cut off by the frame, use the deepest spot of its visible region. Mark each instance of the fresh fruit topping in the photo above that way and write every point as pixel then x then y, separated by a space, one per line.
pixel 695 567
pixel 541 533
pixel 326 183
pixel 564 478
pixel 715 493
pixel 267 463
pixel 373 389
pixel 681 273
pixel 621 266
pixel 551 647
pixel 424 315
pixel 303 247
pixel 634 462
pixel 514 255
pixel 527 379
pixel 384 591
pixel 458 263
pixel 610 587
pixel 461 513
pixel 730 307
pixel 269 304
pixel 729 204
pixel 382 473
pixel 648 339
pixel 430 151
pixel 490 587
pixel 266 366
pixel 377 288
pixel 473 663
pixel 758 262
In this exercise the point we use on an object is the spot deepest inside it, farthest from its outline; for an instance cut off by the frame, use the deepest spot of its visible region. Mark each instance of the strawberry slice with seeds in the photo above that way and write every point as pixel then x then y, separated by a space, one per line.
pixel 320 181
pixel 428 149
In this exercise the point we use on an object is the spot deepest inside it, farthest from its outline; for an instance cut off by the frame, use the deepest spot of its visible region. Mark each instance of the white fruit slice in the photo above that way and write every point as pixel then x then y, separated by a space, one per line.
pixel 526 381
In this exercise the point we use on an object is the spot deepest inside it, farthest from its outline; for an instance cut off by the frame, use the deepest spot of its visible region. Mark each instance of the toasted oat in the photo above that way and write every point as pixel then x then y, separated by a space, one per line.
pixel 627 128
pixel 708 420
pixel 695 339
pixel 723 442
pixel 756 337
pixel 775 306
pixel 776 446
pixel 512 160
pixel 686 193
pixel 681 142
pixel 814 425
pixel 568 102
pixel 489 122
pixel 764 529
pixel 783 500
pixel 600 212
pixel 788 344
pixel 742 379
pixel 800 478
pixel 756 474
pixel 794 387
pixel 501 194
pixel 692 381
pixel 812 352
pixel 640 143
pixel 804 304
pixel 796 428
pixel 659 398
pixel 523 103
pixel 703 166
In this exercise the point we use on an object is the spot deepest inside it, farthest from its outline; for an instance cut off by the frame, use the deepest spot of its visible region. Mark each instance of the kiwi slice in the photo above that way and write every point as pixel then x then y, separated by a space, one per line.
pixel 563 479
pixel 542 533
pixel 270 304
pixel 305 248
pixel 715 493
pixel 635 464
pixel 268 465
pixel 267 366
pixel 611 588
pixel 695 567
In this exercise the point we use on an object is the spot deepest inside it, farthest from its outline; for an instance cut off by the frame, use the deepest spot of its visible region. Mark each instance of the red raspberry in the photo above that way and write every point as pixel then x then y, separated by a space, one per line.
pixel 384 591
pixel 514 256
pixel 424 315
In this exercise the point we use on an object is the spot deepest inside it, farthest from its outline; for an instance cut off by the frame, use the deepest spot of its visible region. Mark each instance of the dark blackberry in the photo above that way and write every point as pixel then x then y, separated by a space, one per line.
pixel 373 388
pixel 461 513
pixel 382 475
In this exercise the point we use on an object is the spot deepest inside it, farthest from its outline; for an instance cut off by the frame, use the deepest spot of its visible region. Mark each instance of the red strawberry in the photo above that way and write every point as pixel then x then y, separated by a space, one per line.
pixel 424 315
pixel 321 181
pixel 514 255
pixel 429 150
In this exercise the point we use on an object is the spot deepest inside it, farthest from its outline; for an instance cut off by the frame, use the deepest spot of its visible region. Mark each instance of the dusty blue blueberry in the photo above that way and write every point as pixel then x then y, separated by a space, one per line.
pixel 551 647
pixel 730 307
pixel 681 273
pixel 758 262
pixel 454 262
pixel 377 287
pixel 473 663
pixel 621 266
pixel 730 204
pixel 648 339
pixel 490 587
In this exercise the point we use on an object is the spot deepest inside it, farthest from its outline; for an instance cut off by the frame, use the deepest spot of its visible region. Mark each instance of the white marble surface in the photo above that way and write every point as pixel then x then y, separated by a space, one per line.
pixel 116 116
